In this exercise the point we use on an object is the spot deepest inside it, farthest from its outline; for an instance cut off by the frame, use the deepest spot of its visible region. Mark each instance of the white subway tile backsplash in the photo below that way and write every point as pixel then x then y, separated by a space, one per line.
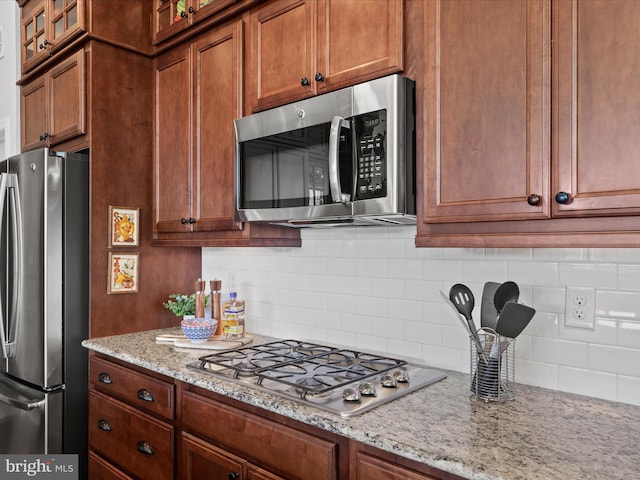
pixel 629 276
pixel 371 289
pixel 372 267
pixel 475 271
pixel 587 382
pixel 629 389
pixel 621 360
pixel 618 304
pixel 406 268
pixel 559 352
pixel 533 273
pixel 444 357
pixel 605 332
pixel 628 333
pixel 442 270
pixel 538 374
pixel 372 306
pixel 388 248
pixel 599 275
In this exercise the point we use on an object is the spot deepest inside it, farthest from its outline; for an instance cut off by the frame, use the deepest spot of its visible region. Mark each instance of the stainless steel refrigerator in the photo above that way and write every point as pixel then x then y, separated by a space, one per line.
pixel 44 290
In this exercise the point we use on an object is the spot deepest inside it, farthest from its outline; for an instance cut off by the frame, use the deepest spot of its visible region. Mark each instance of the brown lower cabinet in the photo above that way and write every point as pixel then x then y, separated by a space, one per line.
pixel 145 426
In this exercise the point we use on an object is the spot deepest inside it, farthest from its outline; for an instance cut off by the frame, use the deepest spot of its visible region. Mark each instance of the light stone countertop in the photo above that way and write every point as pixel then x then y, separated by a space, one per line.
pixel 542 434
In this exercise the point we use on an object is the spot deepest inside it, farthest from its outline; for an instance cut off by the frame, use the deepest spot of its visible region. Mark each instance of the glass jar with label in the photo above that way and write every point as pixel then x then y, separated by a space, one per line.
pixel 233 317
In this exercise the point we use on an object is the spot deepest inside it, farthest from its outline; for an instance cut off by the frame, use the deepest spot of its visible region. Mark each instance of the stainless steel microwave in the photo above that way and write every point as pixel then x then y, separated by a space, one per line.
pixel 342 158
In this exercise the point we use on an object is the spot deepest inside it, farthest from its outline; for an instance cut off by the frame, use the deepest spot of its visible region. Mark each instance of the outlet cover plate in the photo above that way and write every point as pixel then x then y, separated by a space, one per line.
pixel 580 307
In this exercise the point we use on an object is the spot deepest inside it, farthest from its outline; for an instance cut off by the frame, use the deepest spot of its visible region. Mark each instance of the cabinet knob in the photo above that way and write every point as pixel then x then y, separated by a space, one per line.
pixel 183 14
pixel 145 395
pixel 304 81
pixel 105 378
pixel 104 425
pixel 563 198
pixel 144 447
pixel 192 10
pixel 234 475
pixel 534 200
pixel 192 220
pixel 44 136
pixel 43 45
pixel 319 77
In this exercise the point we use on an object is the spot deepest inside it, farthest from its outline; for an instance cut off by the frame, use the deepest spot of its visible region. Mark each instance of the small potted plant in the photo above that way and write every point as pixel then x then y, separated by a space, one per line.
pixel 181 305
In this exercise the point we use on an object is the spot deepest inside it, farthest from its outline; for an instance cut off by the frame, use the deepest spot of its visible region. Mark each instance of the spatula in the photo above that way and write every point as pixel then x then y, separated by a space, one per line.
pixel 462 298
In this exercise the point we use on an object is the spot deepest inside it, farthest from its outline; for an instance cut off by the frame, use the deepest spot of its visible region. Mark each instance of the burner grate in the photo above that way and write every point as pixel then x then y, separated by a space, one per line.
pixel 325 372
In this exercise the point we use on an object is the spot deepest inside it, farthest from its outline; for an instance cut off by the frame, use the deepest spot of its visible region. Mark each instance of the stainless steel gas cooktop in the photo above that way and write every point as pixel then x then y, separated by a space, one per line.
pixel 340 381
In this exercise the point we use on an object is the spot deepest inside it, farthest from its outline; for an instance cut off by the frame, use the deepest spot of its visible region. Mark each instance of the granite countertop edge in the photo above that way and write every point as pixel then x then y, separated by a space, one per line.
pixel 441 426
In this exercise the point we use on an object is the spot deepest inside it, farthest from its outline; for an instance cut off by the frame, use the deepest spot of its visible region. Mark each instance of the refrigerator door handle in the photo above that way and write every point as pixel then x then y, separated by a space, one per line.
pixel 16 211
pixel 22 404
pixel 3 190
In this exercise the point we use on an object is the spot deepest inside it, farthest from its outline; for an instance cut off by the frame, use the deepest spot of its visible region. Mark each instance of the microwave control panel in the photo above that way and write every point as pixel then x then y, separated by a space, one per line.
pixel 371 175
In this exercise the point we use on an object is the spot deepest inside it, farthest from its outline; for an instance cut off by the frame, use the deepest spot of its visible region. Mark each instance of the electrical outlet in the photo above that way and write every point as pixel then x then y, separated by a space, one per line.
pixel 580 307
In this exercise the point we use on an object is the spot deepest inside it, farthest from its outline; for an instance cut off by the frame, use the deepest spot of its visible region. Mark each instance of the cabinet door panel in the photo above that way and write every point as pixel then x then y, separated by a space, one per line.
pixel 33 114
pixel 67 97
pixel 172 155
pixel 486 110
pixel 283 51
pixel 351 47
pixel 369 467
pixel 218 80
pixel 203 461
pixel 598 106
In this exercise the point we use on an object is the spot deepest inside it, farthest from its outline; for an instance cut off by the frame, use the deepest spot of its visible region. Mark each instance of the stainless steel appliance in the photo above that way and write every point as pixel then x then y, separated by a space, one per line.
pixel 44 277
pixel 342 158
pixel 340 381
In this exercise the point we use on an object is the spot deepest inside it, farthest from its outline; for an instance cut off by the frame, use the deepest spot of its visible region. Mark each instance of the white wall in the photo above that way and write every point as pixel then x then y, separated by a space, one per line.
pixel 371 289
pixel 9 75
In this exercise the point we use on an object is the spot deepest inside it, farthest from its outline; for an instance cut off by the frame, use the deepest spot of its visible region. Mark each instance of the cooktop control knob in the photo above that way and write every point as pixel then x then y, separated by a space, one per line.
pixel 402 376
pixel 389 381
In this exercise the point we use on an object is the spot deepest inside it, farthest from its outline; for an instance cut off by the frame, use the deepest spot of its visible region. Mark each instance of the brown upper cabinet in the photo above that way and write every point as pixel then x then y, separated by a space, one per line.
pixel 530 111
pixel 174 16
pixel 53 106
pixel 198 94
pixel 47 25
pixel 302 48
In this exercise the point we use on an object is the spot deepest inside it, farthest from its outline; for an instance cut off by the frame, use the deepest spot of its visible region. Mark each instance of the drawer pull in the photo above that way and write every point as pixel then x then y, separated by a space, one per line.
pixel 105 378
pixel 234 475
pixel 144 447
pixel 104 425
pixel 145 395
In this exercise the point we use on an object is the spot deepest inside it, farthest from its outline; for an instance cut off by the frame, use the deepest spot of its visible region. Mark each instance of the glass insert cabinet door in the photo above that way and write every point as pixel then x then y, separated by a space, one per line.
pixel 46 24
pixel 182 12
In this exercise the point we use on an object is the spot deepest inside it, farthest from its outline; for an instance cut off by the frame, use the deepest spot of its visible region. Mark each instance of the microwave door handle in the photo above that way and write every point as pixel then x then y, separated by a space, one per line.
pixel 334 158
pixel 3 190
pixel 13 194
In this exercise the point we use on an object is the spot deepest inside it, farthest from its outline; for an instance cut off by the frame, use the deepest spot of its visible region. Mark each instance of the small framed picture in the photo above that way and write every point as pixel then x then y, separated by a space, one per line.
pixel 124 226
pixel 123 272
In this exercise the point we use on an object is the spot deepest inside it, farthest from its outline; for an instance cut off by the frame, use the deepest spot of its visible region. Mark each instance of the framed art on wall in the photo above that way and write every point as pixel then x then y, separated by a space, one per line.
pixel 123 273
pixel 124 223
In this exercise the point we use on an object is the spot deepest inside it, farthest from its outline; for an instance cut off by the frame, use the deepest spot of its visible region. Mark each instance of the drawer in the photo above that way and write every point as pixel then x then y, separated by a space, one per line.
pixel 139 443
pixel 143 391
pixel 100 469
pixel 271 445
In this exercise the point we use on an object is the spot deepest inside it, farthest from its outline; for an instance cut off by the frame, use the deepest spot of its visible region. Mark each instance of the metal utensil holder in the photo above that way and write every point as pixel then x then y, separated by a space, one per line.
pixel 492 370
